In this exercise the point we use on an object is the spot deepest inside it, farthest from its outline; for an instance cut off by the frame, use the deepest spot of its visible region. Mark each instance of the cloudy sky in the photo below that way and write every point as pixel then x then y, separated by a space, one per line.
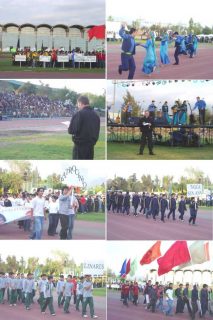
pixel 92 172
pixel 161 168
pixel 80 85
pixel 84 250
pixel 161 11
pixel 162 92
pixel 67 12
pixel 118 251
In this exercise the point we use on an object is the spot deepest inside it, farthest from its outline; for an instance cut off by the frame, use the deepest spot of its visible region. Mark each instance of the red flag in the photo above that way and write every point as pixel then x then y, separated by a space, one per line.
pixel 152 254
pixel 177 254
pixel 98 32
pixel 128 267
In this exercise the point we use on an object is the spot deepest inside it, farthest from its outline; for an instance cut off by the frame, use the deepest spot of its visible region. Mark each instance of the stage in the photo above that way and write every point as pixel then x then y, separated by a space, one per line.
pixel 171 135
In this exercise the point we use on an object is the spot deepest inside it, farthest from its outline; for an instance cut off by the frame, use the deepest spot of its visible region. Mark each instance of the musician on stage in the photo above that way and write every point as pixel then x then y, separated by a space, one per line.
pixel 201 105
pixel 165 112
pixel 183 113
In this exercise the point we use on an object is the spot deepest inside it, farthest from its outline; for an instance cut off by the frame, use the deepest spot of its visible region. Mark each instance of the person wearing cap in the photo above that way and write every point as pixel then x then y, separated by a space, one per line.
pixel 201 105
pixel 128 51
pixel 38 213
pixel 88 297
pixel 59 289
pixel 48 296
pixel 79 293
pixel 84 128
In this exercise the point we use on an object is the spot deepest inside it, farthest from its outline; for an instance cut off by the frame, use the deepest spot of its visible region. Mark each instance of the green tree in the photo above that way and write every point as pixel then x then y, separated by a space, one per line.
pixel 129 99
pixel 110 18
pixel 147 184
pixel 28 88
pixel 12 263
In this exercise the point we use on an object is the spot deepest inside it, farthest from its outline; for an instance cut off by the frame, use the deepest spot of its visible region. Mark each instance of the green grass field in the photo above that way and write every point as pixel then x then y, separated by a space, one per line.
pixel 99 292
pixel 6 65
pixel 93 216
pixel 45 146
pixel 128 151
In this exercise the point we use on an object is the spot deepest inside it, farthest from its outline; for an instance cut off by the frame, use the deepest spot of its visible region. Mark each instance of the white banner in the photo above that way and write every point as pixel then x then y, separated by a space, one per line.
pixel 94 268
pixel 9 214
pixel 44 58
pixel 21 58
pixel 194 190
pixel 81 58
pixel 63 58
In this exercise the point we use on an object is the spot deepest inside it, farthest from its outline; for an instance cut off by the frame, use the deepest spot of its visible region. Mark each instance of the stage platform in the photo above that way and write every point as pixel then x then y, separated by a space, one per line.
pixel 171 135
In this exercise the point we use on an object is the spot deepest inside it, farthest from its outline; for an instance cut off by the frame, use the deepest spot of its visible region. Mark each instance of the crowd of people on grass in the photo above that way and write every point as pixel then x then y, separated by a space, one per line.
pixel 33 58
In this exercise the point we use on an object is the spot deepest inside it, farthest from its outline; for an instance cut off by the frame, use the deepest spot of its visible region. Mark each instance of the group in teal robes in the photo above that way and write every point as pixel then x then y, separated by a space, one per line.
pixel 164 49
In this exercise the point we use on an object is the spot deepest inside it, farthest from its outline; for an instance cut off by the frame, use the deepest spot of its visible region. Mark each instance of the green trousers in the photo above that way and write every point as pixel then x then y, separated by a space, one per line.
pixel 60 296
pixel 88 301
pixel 28 299
pixel 41 300
pixel 67 304
pixel 13 296
pixel 2 291
pixel 48 302
pixel 78 300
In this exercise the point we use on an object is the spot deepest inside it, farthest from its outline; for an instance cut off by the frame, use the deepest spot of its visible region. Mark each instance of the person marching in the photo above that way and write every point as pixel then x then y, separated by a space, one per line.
pixel 194 301
pixel 88 297
pixel 79 293
pixel 135 203
pixel 172 207
pixel 28 288
pixel 135 293
pixel 154 206
pixel 64 208
pixel 193 206
pixel 128 51
pixel 38 214
pixel 67 293
pixel 182 208
pixel 3 284
pixel 126 204
pixel 146 127
pixel 48 296
pixel 41 288
pixel 163 207
pixel 59 289
pixel 179 295
pixel 13 290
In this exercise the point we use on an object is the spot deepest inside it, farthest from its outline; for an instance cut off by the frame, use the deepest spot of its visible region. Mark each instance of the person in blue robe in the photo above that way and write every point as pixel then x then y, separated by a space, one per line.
pixel 150 60
pixel 195 44
pixel 165 113
pixel 183 113
pixel 164 49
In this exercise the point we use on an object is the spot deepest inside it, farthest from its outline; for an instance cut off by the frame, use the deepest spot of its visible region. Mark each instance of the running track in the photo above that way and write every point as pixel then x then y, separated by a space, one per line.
pixel 19 312
pixel 200 67
pixel 117 311
pixel 83 230
pixel 50 75
pixel 125 227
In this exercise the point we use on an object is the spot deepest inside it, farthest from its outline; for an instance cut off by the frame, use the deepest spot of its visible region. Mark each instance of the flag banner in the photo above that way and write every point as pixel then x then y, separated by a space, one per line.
pixel 10 214
pixel 152 254
pixel 97 32
pixel 199 252
pixel 194 190
pixel 133 267
pixel 176 255
pixel 123 268
pixel 128 267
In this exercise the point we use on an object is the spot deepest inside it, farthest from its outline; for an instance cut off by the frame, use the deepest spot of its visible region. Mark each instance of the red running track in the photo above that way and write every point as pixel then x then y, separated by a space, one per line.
pixel 117 311
pixel 19 312
pixel 200 67
pixel 83 230
pixel 125 227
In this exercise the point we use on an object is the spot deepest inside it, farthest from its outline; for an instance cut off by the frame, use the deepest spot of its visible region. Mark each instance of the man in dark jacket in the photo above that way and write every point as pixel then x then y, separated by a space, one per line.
pixel 182 207
pixel 84 128
pixel 135 202
pixel 172 207
pixel 146 128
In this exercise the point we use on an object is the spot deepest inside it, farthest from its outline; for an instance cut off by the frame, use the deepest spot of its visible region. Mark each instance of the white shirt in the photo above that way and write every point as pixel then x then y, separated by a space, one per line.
pixel 169 293
pixel 53 207
pixel 37 205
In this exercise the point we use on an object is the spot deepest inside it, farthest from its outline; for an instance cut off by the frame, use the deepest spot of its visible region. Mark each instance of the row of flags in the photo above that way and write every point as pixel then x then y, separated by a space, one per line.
pixel 178 255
